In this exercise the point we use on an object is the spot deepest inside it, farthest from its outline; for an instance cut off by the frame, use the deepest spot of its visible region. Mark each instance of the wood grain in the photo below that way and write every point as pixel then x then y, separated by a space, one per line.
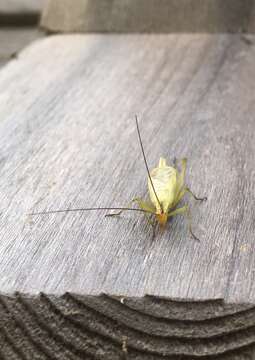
pixel 13 40
pixel 68 139
pixel 87 327
pixel 213 16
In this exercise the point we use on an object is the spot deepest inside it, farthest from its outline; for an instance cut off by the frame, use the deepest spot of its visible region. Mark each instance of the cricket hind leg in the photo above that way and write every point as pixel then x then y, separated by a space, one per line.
pixel 184 189
pixel 194 196
pixel 187 190
pixel 182 173
pixel 185 211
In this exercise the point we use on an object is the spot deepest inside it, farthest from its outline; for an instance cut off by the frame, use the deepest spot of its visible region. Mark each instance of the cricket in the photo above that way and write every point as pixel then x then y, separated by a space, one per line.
pixel 166 187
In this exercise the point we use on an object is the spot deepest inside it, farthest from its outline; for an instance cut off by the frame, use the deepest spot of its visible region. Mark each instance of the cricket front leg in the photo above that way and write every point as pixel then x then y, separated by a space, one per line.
pixel 118 213
pixel 147 207
pixel 142 205
pixel 184 211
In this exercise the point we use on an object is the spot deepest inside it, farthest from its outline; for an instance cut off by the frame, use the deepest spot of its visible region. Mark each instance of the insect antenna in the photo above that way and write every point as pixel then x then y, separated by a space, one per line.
pixel 90 209
pixel 146 164
pixel 110 208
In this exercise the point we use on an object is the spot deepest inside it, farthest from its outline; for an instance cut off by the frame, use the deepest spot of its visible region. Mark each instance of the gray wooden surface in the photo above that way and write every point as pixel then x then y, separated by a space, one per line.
pixel 68 139
pixel 21 6
pixel 108 328
pixel 20 12
pixel 12 40
pixel 214 16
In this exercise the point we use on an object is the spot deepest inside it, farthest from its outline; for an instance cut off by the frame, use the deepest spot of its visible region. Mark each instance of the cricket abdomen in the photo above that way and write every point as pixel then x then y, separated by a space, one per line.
pixel 164 179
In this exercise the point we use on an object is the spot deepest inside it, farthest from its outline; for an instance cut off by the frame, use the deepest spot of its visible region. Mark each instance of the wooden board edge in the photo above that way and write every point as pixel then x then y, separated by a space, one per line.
pixel 80 326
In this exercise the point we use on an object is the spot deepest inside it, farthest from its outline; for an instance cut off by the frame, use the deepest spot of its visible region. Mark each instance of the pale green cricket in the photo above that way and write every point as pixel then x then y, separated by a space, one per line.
pixel 166 185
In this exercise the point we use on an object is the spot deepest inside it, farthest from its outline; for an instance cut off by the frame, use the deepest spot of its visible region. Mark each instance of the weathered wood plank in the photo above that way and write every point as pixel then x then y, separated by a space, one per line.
pixel 149 16
pixel 20 12
pixel 68 139
pixel 20 6
pixel 12 40
pixel 86 327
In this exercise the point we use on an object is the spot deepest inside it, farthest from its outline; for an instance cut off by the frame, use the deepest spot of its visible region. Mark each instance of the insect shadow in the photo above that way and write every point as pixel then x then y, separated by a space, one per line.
pixel 166 186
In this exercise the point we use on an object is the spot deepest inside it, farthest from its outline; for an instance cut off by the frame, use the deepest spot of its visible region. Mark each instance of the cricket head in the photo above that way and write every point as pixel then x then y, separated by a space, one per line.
pixel 162 219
